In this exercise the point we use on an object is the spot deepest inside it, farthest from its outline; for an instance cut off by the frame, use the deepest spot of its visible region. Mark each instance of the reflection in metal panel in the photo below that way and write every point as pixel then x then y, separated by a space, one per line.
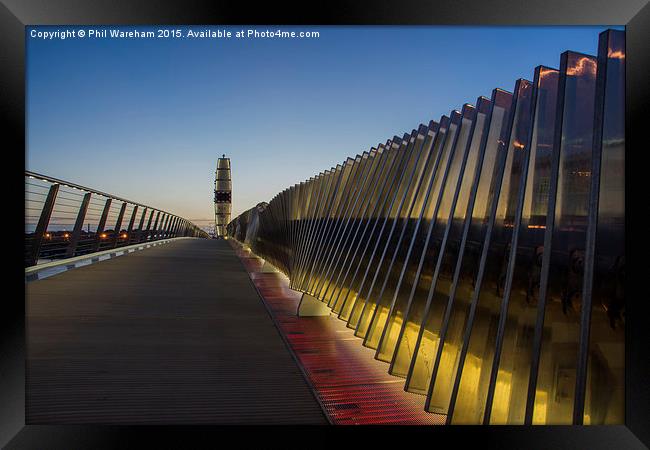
pixel 481 257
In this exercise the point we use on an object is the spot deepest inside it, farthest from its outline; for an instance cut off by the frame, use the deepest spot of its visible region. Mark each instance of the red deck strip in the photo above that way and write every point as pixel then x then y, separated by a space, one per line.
pixel 353 387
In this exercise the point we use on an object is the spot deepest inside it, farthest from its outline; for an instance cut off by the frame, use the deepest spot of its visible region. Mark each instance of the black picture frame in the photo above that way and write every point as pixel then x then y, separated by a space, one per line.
pixel 15 15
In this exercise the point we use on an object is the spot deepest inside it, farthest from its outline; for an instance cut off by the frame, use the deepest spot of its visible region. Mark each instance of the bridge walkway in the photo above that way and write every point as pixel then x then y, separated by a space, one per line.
pixel 172 334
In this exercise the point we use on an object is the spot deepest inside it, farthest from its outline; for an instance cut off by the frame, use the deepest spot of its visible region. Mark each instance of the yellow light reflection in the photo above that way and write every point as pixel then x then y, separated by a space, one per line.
pixel 390 337
pixel 445 376
pixel 364 320
pixel 423 367
pixel 465 411
pixel 405 349
pixel 501 401
pixel 349 304
pixel 355 313
pixel 541 407
pixel 375 332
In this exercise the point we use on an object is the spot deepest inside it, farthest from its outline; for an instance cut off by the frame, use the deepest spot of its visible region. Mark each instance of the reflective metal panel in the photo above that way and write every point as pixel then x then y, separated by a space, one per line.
pixel 447 173
pixel 358 183
pixel 564 244
pixel 604 289
pixel 404 149
pixel 353 223
pixel 475 373
pixel 510 384
pixel 393 254
pixel 406 361
pixel 395 158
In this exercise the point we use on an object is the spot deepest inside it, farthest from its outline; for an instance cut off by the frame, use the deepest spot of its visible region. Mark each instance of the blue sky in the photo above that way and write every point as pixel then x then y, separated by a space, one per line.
pixel 147 119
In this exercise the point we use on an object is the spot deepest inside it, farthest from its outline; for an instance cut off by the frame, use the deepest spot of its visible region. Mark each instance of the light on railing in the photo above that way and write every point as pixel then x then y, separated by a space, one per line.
pixel 123 236
pixel 66 235
pixel 103 235
pixel 47 235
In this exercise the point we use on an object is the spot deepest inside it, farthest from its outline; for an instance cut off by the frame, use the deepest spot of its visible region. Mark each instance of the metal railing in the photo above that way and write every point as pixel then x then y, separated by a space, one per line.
pixel 64 220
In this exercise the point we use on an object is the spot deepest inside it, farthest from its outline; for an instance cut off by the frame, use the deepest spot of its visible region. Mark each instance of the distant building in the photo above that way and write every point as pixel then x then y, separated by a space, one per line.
pixel 222 196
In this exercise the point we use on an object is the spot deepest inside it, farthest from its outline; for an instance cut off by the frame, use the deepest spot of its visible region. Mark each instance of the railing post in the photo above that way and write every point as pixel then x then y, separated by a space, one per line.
pixel 159 229
pixel 143 234
pixel 154 230
pixel 172 232
pixel 41 227
pixel 165 226
pixel 102 224
pixel 78 226
pixel 175 230
pixel 118 225
pixel 129 230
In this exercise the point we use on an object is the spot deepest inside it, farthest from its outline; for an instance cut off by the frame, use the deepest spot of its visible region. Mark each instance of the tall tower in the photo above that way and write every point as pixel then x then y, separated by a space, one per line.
pixel 222 196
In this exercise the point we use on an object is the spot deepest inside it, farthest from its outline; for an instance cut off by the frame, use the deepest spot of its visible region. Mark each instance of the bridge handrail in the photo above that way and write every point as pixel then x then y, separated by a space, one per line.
pixel 50 179
pixel 65 244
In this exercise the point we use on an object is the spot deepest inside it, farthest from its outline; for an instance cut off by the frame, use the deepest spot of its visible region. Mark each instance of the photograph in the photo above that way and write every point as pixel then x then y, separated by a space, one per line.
pixel 303 227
